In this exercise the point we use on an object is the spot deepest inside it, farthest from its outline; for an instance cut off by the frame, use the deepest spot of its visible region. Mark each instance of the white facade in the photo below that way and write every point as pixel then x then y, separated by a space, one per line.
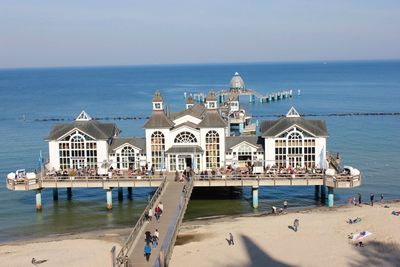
pixel 186 141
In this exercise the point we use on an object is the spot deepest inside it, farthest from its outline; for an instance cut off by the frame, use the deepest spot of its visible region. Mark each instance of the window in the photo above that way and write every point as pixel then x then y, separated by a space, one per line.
pixel 309 153
pixel 244 153
pixel 172 163
pixel 157 150
pixel 280 153
pixel 128 158
pixel 212 150
pixel 185 137
pixel 76 151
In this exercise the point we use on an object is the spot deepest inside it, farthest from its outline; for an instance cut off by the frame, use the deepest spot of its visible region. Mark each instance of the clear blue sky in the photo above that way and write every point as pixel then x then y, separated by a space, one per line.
pixel 81 33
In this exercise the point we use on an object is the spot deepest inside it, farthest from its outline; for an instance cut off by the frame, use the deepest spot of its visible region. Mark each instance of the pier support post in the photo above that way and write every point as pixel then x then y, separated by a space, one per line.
pixel 55 194
pixel 69 193
pixel 330 197
pixel 255 196
pixel 39 199
pixel 317 189
pixel 120 194
pixel 323 193
pixel 130 192
pixel 109 199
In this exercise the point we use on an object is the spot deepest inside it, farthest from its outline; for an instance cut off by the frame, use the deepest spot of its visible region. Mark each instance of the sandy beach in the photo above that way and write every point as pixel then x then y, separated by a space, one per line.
pixel 84 249
pixel 321 240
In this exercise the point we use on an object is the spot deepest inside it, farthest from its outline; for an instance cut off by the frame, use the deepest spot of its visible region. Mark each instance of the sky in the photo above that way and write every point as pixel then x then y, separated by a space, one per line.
pixel 46 33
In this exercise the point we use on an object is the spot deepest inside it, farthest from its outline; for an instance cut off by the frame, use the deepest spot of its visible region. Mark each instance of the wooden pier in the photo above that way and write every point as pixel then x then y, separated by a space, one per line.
pixel 226 96
pixel 175 200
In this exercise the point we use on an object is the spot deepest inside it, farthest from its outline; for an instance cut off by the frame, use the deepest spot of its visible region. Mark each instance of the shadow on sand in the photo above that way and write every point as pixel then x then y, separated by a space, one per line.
pixel 376 253
pixel 259 257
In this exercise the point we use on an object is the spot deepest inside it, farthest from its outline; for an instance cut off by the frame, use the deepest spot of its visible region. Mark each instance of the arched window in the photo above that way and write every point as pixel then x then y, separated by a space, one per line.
pixel 295 149
pixel 157 150
pixel 128 158
pixel 212 150
pixel 185 137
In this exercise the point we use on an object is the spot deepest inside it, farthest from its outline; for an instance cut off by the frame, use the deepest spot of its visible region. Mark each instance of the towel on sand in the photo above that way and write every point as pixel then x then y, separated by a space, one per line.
pixel 361 235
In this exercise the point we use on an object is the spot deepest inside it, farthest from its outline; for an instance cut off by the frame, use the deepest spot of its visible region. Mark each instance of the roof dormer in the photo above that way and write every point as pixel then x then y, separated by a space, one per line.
pixel 157 101
pixel 211 100
pixel 83 116
pixel 292 113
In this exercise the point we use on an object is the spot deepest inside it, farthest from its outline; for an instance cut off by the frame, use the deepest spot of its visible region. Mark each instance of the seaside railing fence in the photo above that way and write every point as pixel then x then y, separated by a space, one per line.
pixel 173 228
pixel 120 259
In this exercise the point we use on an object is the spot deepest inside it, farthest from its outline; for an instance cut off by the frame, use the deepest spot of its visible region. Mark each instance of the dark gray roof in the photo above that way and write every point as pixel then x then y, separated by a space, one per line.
pixel 184 149
pixel 158 119
pixel 93 128
pixel 212 119
pixel 272 128
pixel 196 111
pixel 139 142
pixel 231 141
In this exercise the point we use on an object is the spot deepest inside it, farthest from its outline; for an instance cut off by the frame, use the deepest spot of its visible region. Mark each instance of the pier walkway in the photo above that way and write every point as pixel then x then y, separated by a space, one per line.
pixel 175 200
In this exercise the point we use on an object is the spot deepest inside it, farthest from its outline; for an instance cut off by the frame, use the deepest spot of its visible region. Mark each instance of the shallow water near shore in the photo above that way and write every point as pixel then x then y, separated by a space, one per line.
pixel 28 95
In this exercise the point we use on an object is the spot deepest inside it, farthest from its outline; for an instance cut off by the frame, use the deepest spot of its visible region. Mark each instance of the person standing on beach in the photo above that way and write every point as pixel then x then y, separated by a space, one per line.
pixel 382 198
pixel 359 199
pixel 372 196
pixel 147 251
pixel 285 205
pixel 296 224
pixel 231 239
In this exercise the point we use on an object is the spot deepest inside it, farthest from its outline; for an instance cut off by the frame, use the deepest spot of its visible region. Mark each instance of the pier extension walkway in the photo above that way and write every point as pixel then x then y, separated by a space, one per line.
pixel 174 196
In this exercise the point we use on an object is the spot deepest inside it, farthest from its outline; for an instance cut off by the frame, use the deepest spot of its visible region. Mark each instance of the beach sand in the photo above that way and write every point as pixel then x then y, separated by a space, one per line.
pixel 84 249
pixel 322 239
pixel 259 241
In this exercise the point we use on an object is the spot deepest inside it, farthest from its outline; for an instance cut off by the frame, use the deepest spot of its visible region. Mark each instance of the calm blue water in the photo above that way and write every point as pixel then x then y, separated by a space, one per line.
pixel 368 142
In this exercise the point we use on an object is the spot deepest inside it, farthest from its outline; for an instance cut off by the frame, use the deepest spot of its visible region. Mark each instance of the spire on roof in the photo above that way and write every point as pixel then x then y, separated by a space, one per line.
pixel 157 96
pixel 83 116
pixel 292 113
pixel 189 100
pixel 211 96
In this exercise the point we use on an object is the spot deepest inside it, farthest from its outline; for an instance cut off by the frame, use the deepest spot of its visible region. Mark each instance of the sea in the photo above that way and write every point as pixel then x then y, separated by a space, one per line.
pixel 33 100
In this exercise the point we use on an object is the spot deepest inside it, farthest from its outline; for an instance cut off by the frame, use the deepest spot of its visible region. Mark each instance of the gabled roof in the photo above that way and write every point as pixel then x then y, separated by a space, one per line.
pixel 196 111
pixel 273 128
pixel 158 119
pixel 231 141
pixel 187 123
pixel 212 119
pixel 93 128
pixel 139 142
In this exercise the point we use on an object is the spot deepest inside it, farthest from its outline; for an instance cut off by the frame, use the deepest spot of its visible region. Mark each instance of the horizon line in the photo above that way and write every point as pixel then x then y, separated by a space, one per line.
pixel 199 64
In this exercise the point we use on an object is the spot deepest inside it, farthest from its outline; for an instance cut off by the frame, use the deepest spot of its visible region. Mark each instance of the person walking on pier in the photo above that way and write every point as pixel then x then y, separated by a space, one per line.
pixel 372 196
pixel 147 251
pixel 150 214
pixel 155 238
pixel 157 213
pixel 161 207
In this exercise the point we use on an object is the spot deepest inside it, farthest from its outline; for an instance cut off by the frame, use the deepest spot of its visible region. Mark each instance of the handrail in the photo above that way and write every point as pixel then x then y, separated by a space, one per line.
pixel 133 235
pixel 173 228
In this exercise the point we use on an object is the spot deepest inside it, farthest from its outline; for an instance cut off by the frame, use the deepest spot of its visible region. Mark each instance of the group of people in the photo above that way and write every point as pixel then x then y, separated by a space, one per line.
pixel 158 210
pixel 358 201
pixel 151 241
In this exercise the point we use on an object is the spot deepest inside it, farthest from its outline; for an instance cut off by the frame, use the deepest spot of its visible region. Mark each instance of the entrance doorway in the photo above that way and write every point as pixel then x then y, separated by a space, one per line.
pixel 294 161
pixel 188 161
